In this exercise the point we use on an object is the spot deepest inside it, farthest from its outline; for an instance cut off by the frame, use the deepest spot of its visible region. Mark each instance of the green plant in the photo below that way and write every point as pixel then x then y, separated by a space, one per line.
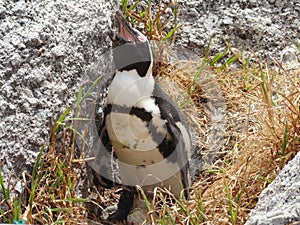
pixel 5 192
pixel 14 206
pixel 233 211
pixel 285 140
pixel 262 178
pixel 52 198
pixel 201 207
pixel 298 44
pixel 141 12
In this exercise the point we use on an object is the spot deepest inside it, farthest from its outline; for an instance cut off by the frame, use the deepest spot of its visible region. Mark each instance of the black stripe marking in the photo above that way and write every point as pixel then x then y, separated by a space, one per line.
pixel 140 113
pixel 165 145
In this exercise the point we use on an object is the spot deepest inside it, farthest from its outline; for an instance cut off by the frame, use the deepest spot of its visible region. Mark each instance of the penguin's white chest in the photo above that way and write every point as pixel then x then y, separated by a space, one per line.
pixel 140 161
pixel 128 89
pixel 136 130
pixel 129 132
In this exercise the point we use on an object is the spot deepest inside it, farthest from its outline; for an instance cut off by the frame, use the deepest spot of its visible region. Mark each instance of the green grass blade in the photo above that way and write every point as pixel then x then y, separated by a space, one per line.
pixel 285 140
pixel 175 12
pixel 232 212
pixel 70 184
pixel 170 33
pixel 17 209
pixel 215 171
pixel 199 71
pixel 132 7
pixel 58 181
pixel 185 104
pixel 207 49
pixel 90 89
pixel 298 45
pixel 61 119
pixel 36 179
pixel 263 83
pixel 78 101
pixel 77 119
pixel 183 207
pixel 124 5
pixel 3 216
pixel 61 209
pixel 3 189
pixel 77 132
pixel 218 57
pixel 229 61
pixel 150 24
pixel 143 14
pixel 232 59
pixel 171 219
pixel 201 207
pixel 79 96
pixel 239 195
pixel 37 162
pixel 148 204
pixel 76 200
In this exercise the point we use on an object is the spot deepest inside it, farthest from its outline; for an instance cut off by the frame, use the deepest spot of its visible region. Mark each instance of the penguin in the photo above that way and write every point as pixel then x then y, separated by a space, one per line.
pixel 142 125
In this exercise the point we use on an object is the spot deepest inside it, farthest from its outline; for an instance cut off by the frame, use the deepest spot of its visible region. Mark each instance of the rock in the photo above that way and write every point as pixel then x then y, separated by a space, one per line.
pixel 289 58
pixel 258 25
pixel 279 203
pixel 44 49
pixel 59 50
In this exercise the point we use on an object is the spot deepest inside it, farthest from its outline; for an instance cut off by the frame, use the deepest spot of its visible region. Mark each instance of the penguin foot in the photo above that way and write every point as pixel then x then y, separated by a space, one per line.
pixel 124 206
pixel 118 216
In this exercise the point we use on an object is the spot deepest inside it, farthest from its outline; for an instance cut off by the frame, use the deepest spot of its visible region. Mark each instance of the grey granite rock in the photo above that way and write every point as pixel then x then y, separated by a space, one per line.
pixel 264 27
pixel 45 47
pixel 279 203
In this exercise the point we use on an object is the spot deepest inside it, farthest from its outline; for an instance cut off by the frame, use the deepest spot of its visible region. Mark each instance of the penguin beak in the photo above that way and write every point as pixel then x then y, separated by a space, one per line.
pixel 125 34
pixel 131 50
pixel 125 31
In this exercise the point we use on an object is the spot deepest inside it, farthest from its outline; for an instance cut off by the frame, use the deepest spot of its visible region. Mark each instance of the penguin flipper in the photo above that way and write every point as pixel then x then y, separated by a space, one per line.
pixel 102 167
pixel 178 129
pixel 182 157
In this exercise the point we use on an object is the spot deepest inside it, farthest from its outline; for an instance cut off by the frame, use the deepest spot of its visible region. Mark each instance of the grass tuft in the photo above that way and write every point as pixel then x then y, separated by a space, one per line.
pixel 52 184
pixel 10 206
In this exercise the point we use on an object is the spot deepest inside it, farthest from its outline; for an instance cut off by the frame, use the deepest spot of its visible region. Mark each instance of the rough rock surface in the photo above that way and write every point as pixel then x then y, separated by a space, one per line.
pixel 269 28
pixel 46 46
pixel 44 49
pixel 279 203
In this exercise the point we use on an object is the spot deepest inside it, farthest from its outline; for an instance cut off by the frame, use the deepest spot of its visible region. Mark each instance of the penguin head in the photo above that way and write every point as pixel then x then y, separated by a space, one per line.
pixel 131 49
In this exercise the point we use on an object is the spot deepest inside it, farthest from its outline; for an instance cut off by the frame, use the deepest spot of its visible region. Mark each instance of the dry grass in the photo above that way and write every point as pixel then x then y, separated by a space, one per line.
pixel 251 163
pixel 259 152
pixel 264 119
pixel 51 188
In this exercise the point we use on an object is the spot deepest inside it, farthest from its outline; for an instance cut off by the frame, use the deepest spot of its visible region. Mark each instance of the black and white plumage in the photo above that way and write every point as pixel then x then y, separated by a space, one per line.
pixel 142 124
